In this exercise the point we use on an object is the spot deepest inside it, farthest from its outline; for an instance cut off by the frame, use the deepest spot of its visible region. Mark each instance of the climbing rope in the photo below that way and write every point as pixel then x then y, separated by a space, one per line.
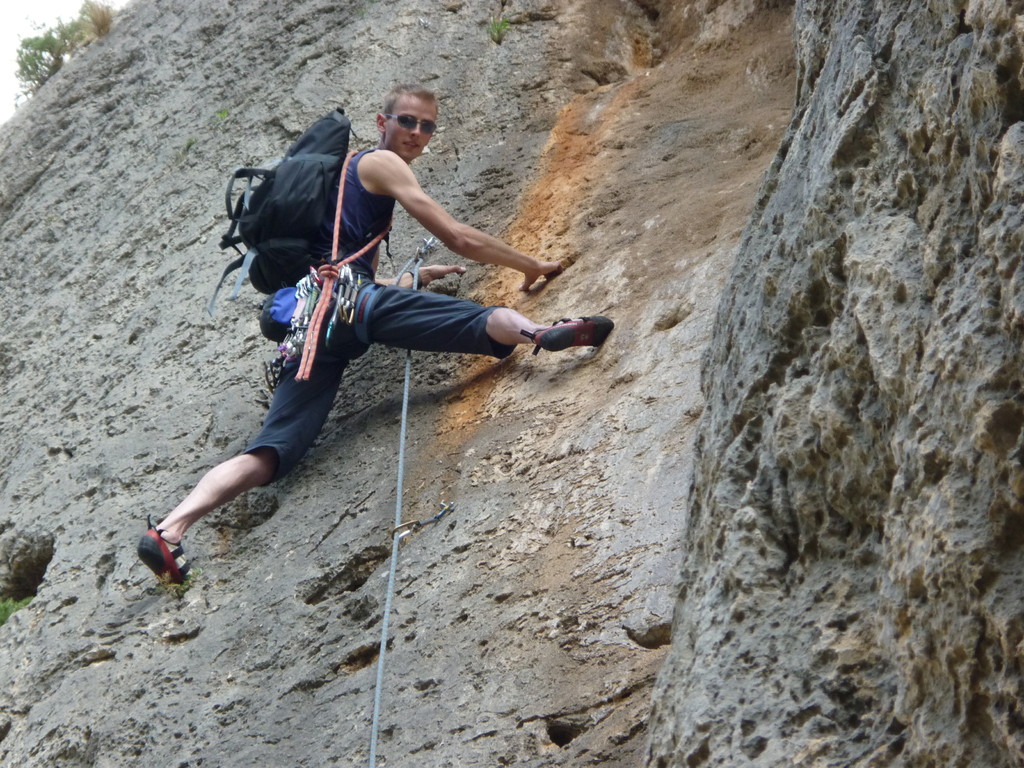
pixel 412 267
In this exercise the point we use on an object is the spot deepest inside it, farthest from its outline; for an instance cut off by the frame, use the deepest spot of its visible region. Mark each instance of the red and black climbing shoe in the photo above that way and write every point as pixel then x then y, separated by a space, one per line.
pixel 581 332
pixel 164 559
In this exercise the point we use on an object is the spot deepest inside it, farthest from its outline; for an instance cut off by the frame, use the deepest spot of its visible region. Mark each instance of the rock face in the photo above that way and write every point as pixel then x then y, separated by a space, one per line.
pixel 626 138
pixel 834 515
pixel 852 581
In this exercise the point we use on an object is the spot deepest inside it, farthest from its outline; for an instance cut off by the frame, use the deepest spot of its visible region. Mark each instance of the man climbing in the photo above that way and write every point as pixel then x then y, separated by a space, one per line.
pixel 392 315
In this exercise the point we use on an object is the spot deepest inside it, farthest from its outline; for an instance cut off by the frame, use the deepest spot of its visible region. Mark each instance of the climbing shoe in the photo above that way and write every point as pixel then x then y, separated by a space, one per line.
pixel 164 559
pixel 581 332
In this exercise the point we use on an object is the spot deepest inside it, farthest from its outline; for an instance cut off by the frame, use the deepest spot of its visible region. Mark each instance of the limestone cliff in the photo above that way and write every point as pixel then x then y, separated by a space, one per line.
pixel 852 567
pixel 626 138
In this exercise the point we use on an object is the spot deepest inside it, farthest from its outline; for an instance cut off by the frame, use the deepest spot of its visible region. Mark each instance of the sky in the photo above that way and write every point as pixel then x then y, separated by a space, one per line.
pixel 19 20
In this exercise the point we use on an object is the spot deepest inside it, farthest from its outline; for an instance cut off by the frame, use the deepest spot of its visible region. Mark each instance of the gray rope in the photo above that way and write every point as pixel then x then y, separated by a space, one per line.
pixel 411 267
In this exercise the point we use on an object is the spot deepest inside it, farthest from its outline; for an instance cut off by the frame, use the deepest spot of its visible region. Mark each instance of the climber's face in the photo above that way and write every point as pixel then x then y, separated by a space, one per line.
pixel 407 130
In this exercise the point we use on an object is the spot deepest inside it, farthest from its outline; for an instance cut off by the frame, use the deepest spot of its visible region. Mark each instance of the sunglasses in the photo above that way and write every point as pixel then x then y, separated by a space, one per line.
pixel 409 123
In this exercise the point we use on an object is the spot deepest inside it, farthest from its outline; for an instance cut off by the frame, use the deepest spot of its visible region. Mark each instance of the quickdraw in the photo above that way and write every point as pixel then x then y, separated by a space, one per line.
pixel 348 290
pixel 346 293
pixel 407 529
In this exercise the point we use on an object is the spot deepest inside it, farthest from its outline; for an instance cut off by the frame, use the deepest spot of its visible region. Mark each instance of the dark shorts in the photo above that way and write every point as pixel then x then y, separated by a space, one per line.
pixel 396 317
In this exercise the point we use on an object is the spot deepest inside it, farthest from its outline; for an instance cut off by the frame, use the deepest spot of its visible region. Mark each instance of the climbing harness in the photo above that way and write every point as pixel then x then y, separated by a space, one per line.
pixel 400 530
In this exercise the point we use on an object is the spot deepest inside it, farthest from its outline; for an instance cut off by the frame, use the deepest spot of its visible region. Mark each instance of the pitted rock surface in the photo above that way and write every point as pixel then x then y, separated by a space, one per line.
pixel 852 562
pixel 627 139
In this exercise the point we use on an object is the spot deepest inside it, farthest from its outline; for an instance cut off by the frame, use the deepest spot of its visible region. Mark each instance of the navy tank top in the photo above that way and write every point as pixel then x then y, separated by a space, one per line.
pixel 364 216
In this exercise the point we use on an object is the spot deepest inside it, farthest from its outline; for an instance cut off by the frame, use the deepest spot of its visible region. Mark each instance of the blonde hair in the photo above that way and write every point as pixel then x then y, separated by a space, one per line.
pixel 399 91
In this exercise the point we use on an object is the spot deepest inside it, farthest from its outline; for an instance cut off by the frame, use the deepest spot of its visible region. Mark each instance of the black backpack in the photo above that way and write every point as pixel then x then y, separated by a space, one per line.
pixel 282 210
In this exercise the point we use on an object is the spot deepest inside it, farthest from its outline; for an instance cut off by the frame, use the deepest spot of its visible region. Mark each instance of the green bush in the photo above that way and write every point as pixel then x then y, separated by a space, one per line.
pixel 9 606
pixel 39 58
